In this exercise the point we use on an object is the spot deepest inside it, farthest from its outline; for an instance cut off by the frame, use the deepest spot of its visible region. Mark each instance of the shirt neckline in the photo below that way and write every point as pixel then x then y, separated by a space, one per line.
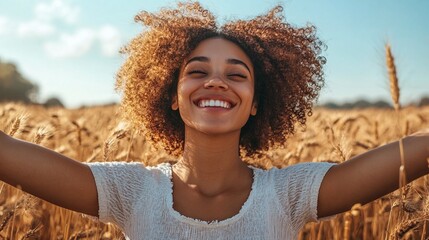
pixel 215 223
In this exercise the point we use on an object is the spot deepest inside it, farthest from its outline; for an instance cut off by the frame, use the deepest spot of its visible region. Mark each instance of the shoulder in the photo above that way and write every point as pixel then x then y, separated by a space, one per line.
pixel 122 185
pixel 301 169
pixel 117 168
pixel 297 188
pixel 128 170
pixel 298 175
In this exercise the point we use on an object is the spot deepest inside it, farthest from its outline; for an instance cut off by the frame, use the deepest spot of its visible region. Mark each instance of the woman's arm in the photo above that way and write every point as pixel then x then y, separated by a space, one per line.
pixel 48 175
pixel 373 174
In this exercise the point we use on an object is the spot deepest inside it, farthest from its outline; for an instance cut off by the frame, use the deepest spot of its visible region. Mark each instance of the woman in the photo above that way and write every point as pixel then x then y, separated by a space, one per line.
pixel 210 95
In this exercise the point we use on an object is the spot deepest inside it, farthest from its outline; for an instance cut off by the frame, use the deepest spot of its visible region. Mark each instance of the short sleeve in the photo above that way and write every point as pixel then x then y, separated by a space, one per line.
pixel 118 187
pixel 297 188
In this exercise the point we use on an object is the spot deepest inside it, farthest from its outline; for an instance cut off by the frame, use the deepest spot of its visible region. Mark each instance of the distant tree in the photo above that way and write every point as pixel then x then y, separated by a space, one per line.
pixel 381 104
pixel 331 105
pixel 360 104
pixel 15 87
pixel 53 102
pixel 424 101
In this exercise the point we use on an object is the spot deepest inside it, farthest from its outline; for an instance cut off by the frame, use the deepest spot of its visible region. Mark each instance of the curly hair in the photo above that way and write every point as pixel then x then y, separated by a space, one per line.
pixel 287 66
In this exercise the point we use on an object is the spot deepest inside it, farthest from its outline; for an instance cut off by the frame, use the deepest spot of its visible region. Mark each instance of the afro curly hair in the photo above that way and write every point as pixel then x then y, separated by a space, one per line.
pixel 286 59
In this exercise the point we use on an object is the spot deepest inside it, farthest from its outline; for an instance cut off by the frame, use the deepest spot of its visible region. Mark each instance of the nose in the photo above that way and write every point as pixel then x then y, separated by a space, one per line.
pixel 216 82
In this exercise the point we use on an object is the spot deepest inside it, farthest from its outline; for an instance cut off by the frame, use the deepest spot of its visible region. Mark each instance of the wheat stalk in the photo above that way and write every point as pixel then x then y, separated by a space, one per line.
pixel 394 92
pixel 6 219
pixel 393 78
pixel 40 135
pixel 347 226
pixel 32 233
pixel 83 235
pixel 15 126
pixel 405 227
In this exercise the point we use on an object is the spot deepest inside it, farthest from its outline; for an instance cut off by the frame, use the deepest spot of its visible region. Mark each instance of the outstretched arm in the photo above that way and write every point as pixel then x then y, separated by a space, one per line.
pixel 48 175
pixel 373 174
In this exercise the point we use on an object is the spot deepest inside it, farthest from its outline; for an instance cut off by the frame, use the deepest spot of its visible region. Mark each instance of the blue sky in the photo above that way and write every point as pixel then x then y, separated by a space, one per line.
pixel 69 47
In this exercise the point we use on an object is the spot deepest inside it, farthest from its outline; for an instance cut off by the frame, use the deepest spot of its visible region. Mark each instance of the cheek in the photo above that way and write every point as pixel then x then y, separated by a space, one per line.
pixel 184 90
pixel 249 102
pixel 246 93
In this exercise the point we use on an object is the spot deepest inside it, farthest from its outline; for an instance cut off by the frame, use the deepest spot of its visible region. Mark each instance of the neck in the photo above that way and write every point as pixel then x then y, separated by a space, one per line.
pixel 210 161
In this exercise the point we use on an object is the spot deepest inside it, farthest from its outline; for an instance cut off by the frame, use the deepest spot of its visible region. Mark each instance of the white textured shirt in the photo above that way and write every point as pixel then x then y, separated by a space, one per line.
pixel 139 200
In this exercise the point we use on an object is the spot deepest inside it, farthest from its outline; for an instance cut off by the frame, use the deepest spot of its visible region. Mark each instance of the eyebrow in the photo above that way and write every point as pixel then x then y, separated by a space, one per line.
pixel 229 61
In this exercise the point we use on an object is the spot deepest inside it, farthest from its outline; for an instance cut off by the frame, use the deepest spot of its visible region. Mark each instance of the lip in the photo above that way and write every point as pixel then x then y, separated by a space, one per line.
pixel 215 97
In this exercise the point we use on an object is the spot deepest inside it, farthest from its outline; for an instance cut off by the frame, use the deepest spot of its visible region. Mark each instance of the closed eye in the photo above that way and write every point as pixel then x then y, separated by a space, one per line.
pixel 196 72
pixel 237 75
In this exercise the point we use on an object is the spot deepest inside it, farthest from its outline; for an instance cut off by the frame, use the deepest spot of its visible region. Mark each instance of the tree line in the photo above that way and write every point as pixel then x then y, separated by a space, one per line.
pixel 361 103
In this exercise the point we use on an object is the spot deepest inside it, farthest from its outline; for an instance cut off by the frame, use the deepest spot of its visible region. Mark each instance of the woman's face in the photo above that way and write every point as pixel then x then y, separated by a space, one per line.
pixel 216 87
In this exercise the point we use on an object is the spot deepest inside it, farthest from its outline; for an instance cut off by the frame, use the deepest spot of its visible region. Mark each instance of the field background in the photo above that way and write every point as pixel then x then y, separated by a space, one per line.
pixel 100 134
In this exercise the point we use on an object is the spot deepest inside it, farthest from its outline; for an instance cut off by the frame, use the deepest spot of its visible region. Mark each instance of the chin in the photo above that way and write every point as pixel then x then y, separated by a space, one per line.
pixel 216 129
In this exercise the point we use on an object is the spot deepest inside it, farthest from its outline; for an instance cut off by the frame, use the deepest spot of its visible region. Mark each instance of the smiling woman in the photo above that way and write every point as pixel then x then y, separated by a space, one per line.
pixel 205 93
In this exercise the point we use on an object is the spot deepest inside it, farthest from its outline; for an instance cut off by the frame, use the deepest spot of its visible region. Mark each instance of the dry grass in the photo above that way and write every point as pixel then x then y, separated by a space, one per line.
pixel 97 134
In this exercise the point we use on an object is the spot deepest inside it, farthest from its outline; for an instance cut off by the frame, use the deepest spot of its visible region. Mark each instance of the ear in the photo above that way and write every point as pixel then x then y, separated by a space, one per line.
pixel 254 109
pixel 174 103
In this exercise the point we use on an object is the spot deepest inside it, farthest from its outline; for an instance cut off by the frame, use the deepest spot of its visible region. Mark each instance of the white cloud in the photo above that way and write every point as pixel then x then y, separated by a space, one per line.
pixel 110 40
pixel 47 15
pixel 71 45
pixel 45 24
pixel 5 25
pixel 57 9
pixel 81 41
pixel 35 28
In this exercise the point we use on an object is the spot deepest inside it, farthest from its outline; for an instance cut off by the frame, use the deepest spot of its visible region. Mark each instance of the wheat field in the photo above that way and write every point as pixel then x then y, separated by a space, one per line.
pixel 100 134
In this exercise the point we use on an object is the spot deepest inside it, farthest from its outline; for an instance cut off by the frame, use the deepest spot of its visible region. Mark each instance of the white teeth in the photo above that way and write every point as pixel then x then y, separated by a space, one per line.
pixel 214 103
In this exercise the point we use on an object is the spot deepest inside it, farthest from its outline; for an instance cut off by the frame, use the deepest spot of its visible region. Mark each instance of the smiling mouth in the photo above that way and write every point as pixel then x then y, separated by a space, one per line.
pixel 212 103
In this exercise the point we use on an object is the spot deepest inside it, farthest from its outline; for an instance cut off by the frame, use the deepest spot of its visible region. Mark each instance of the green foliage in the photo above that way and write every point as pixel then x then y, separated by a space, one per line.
pixel 357 104
pixel 14 86
pixel 53 102
pixel 424 101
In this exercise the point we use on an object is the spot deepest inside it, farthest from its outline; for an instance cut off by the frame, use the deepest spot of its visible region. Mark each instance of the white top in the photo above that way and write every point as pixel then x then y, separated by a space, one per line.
pixel 139 200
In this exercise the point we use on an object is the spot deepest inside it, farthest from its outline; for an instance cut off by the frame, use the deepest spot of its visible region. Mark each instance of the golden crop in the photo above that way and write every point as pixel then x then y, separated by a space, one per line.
pixel 99 134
